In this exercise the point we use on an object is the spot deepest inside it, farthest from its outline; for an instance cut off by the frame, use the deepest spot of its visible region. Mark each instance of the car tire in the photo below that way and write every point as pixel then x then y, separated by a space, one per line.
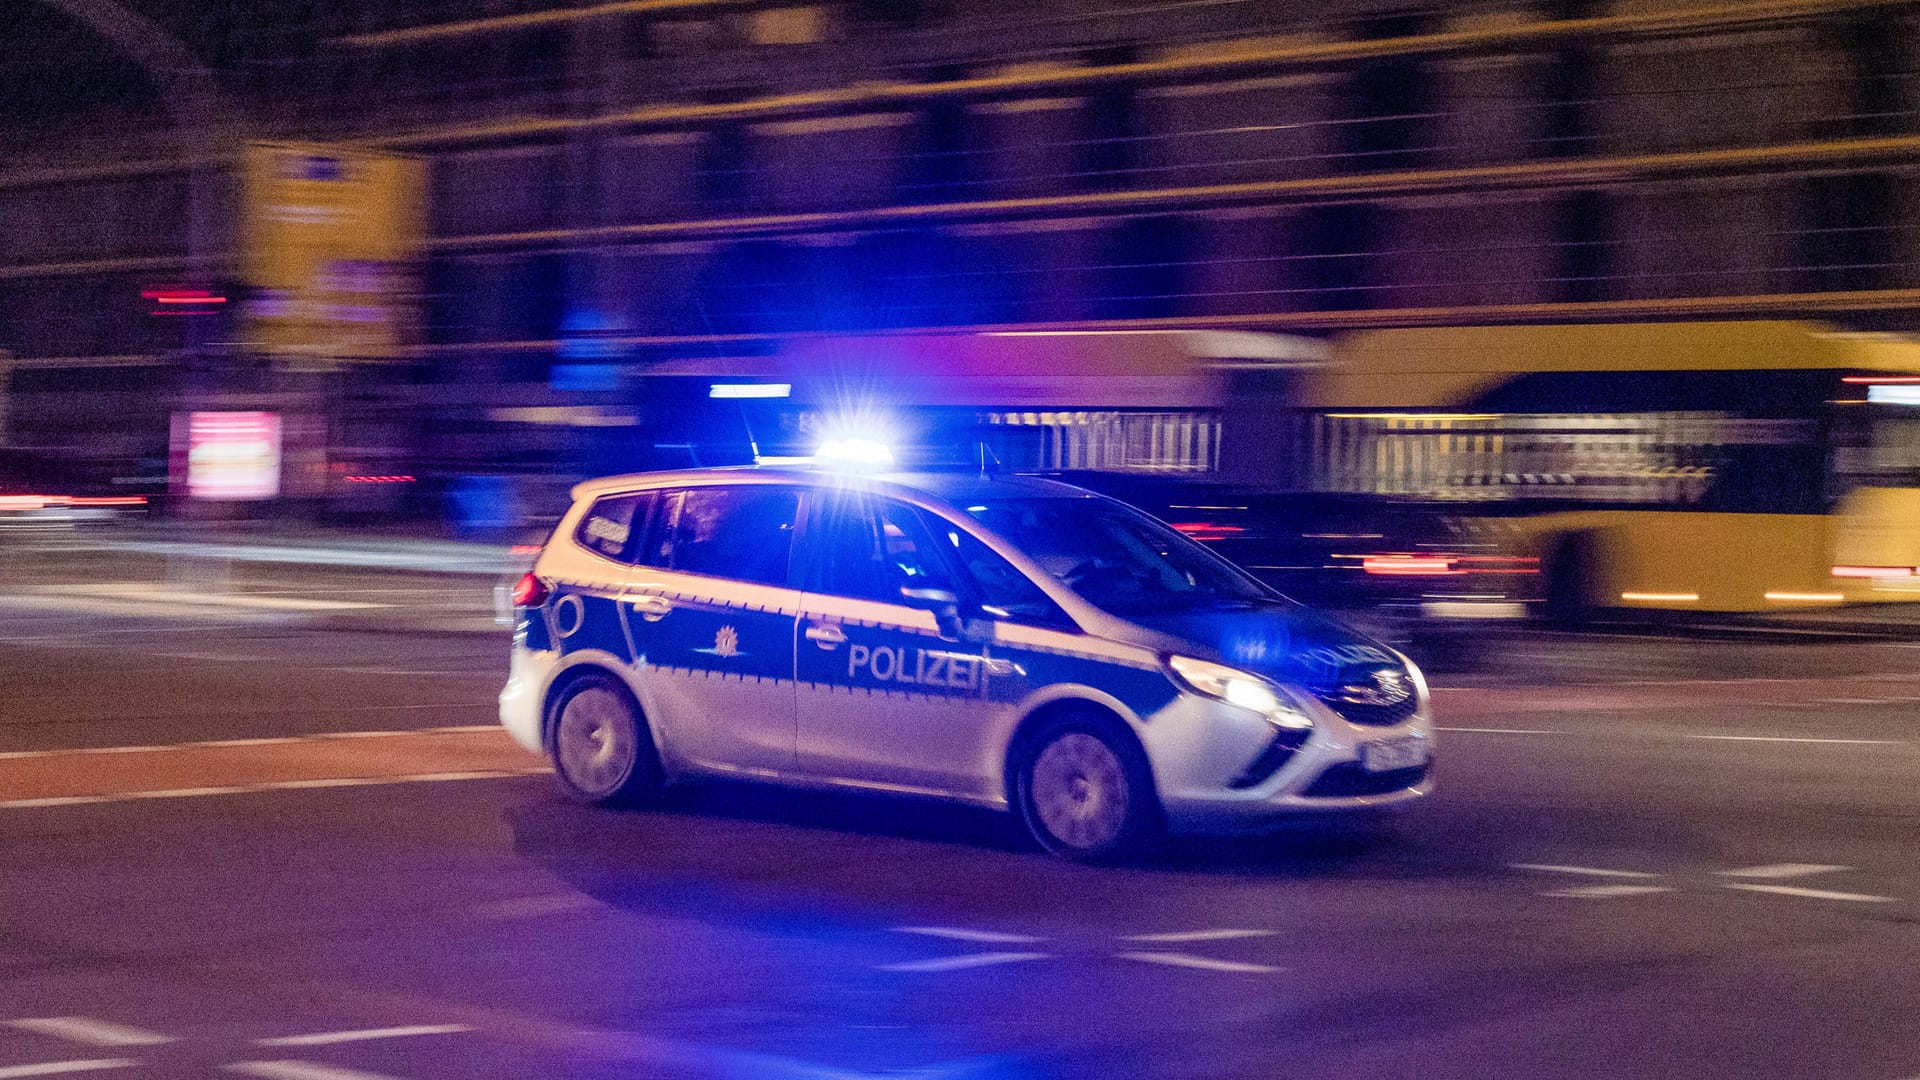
pixel 1083 789
pixel 601 747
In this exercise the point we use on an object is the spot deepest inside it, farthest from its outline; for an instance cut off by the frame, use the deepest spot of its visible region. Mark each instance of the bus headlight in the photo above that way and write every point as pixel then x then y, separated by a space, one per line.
pixel 1236 687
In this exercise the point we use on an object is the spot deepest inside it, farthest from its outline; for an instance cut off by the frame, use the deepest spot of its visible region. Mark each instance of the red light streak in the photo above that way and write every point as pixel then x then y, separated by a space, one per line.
pixel 1207 530
pixel 1408 566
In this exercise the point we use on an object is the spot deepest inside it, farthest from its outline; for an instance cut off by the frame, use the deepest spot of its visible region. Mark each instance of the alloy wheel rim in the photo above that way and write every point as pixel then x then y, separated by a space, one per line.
pixel 594 743
pixel 1079 791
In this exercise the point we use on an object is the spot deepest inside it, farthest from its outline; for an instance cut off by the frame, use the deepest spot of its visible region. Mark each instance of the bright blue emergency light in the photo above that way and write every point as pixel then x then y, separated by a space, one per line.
pixel 854 453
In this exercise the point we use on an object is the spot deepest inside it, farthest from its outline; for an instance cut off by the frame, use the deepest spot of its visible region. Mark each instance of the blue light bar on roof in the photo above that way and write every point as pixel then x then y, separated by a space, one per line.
pixel 750 390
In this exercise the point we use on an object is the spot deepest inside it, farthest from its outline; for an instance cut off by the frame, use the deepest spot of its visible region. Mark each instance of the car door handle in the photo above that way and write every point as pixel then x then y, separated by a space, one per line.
pixel 826 636
pixel 651 607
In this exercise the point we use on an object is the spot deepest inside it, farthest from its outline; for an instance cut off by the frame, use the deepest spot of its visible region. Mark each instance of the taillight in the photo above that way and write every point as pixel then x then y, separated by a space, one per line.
pixel 530 591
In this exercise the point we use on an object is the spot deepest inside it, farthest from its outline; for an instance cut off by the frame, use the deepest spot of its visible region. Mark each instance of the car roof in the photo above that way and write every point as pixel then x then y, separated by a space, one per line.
pixel 953 487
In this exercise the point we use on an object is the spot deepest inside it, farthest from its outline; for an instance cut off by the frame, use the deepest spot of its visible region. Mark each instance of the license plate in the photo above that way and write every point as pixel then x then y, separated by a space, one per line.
pixel 1390 754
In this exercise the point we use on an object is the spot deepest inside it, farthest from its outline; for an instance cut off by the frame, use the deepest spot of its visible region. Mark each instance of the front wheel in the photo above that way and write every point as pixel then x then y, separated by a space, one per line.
pixel 602 751
pixel 1084 792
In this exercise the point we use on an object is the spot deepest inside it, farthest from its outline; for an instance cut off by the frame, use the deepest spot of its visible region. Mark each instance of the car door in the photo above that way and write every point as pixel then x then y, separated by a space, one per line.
pixel 711 613
pixel 883 699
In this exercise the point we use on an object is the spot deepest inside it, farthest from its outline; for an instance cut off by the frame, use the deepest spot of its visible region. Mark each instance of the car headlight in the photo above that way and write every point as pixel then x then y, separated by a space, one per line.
pixel 1236 687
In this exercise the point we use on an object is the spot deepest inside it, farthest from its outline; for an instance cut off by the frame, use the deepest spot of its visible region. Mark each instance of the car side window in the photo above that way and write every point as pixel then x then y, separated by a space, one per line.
pixel 872 548
pixel 996 585
pixel 744 532
pixel 614 526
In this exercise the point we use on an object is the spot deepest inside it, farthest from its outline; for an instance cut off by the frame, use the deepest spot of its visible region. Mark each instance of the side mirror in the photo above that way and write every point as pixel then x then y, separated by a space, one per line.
pixel 944 605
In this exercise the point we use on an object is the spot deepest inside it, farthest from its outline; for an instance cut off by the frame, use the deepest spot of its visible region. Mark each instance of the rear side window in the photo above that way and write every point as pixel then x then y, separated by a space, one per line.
pixel 614 526
pixel 745 533
pixel 870 549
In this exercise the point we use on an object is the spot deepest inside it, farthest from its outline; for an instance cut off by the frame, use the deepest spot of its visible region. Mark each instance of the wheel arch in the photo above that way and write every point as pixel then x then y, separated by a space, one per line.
pixel 586 667
pixel 1108 714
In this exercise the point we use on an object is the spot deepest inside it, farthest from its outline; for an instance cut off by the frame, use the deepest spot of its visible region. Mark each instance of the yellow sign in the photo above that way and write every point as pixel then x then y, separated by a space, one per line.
pixel 331 238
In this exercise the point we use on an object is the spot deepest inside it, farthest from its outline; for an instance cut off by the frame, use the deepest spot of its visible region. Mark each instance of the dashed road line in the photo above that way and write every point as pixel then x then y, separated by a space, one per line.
pixel 329 1038
pixel 1784 870
pixel 1590 871
pixel 961 934
pixel 973 960
pixel 1199 935
pixel 299 1070
pixel 1605 892
pixel 1202 963
pixel 83 1029
pixel 56 1068
pixel 1811 894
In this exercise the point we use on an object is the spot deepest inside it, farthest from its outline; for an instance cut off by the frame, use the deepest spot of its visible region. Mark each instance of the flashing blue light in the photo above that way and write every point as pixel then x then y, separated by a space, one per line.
pixel 854 453
pixel 750 390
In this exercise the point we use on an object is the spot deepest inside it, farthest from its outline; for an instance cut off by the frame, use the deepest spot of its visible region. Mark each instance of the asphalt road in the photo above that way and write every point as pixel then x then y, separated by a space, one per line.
pixel 1648 857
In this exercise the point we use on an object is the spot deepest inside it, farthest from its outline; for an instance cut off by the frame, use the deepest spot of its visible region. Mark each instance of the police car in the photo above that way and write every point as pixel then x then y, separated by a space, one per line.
pixel 1006 641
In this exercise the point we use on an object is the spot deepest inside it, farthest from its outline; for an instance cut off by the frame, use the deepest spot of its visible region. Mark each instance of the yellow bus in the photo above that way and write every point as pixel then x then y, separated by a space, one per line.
pixel 1705 466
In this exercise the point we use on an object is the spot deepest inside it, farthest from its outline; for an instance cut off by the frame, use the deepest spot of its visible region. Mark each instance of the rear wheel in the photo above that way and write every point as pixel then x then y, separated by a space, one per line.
pixel 602 750
pixel 1083 791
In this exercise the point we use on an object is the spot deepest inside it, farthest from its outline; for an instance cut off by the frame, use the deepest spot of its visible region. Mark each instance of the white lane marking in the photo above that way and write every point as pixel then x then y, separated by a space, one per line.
pixel 215 600
pixel 325 782
pixel 188 792
pixel 955 963
pixel 276 785
pixel 1602 892
pixel 328 1038
pixel 299 1070
pixel 1783 870
pixel 1811 894
pixel 1502 730
pixel 528 907
pixel 270 741
pixel 84 1029
pixel 321 736
pixel 1590 871
pixel 402 671
pixel 54 1068
pixel 1199 935
pixel 1202 963
pixel 961 934
pixel 427 705
pixel 1849 701
pixel 1798 739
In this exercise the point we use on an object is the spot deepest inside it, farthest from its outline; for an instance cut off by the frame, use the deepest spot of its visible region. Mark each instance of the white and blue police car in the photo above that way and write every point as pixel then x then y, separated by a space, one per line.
pixel 999 640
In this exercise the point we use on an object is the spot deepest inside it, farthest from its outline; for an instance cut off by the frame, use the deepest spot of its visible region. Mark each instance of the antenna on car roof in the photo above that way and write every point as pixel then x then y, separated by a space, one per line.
pixel 989 461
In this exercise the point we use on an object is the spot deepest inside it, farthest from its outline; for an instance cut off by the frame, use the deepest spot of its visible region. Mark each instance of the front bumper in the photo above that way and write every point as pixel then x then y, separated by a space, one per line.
pixel 1197 746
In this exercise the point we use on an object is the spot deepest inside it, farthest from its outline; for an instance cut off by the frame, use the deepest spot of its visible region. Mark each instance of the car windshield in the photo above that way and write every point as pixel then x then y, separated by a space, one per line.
pixel 1117 558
